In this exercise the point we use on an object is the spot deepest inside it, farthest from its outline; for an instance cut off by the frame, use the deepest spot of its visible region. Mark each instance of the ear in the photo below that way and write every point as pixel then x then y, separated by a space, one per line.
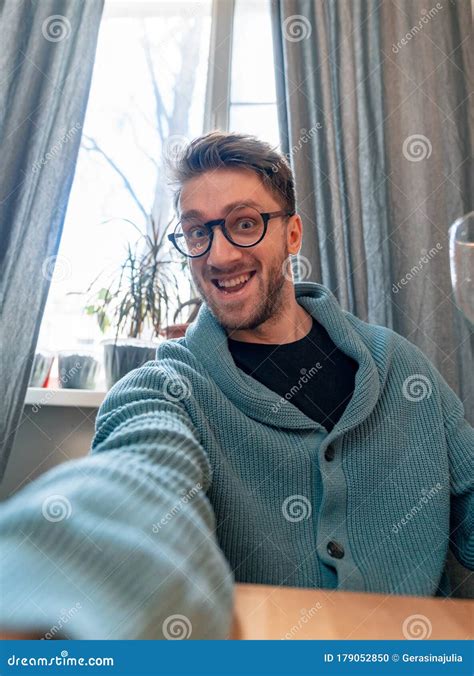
pixel 294 234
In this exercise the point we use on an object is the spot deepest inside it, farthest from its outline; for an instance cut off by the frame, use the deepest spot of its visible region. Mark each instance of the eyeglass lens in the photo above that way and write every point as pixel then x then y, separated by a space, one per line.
pixel 244 227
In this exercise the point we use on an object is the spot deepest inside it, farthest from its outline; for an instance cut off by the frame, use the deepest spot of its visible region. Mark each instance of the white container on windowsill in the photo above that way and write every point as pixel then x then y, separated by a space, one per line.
pixel 53 395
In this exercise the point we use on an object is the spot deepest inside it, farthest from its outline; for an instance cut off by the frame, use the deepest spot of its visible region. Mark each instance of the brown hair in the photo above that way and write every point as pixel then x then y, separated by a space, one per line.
pixel 218 150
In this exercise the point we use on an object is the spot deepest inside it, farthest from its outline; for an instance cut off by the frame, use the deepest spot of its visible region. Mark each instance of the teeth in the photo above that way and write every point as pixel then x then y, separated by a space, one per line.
pixel 233 282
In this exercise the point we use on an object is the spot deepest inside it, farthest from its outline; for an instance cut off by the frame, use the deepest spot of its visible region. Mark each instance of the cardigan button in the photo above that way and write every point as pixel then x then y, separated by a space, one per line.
pixel 335 549
pixel 329 453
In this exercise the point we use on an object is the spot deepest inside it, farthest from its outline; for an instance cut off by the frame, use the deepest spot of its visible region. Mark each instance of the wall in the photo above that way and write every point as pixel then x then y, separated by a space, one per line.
pixel 45 438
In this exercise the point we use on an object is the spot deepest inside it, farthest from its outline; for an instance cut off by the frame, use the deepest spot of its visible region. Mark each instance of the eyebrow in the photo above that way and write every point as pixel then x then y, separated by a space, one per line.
pixel 195 213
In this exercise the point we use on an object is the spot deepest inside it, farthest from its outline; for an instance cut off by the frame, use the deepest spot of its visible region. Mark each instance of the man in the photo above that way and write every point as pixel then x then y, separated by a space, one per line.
pixel 281 441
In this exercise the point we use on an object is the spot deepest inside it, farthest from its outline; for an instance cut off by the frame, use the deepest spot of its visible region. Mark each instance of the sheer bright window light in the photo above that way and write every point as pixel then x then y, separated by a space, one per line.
pixel 253 106
pixel 147 94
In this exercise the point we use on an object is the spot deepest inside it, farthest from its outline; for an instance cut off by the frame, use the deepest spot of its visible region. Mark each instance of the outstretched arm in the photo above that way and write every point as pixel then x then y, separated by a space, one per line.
pixel 120 544
pixel 460 440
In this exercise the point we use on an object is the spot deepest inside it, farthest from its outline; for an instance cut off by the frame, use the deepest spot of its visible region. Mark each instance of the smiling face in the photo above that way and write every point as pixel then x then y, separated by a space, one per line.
pixel 263 268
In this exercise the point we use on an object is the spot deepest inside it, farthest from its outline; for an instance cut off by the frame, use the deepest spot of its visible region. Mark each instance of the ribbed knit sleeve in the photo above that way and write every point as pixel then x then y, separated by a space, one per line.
pixel 460 441
pixel 459 436
pixel 120 544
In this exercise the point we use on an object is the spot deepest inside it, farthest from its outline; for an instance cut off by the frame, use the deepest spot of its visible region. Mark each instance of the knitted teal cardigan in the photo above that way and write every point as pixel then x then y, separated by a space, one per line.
pixel 199 475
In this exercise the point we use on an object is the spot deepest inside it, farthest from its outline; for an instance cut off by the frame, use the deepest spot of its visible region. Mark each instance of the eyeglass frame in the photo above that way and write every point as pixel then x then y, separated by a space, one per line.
pixel 266 216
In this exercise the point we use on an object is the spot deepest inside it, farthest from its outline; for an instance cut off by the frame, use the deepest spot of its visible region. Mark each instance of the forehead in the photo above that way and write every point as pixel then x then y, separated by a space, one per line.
pixel 210 194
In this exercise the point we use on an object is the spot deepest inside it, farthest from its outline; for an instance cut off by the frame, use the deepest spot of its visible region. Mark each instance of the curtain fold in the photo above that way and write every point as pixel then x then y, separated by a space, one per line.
pixel 374 106
pixel 332 83
pixel 46 62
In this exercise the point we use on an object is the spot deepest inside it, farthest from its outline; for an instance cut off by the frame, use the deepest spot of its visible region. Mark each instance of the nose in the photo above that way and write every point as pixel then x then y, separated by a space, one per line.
pixel 222 252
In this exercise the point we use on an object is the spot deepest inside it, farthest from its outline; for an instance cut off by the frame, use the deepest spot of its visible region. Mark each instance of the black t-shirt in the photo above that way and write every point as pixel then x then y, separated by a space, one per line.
pixel 312 373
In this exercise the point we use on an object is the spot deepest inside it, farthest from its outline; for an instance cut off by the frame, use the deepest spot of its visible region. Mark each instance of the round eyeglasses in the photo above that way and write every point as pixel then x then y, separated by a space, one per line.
pixel 243 226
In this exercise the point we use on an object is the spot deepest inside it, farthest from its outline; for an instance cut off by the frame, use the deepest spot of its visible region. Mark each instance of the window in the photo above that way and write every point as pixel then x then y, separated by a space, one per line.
pixel 154 64
pixel 241 93
pixel 252 93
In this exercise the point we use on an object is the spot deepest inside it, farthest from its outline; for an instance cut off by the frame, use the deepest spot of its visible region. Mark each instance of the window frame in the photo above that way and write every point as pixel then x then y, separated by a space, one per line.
pixel 217 105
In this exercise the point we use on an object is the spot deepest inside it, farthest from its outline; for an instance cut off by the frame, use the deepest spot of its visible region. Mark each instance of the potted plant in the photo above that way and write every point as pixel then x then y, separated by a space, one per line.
pixel 136 304
pixel 41 369
pixel 77 369
pixel 178 330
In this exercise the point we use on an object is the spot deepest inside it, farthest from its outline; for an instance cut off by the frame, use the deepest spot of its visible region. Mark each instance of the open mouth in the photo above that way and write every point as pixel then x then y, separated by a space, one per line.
pixel 232 287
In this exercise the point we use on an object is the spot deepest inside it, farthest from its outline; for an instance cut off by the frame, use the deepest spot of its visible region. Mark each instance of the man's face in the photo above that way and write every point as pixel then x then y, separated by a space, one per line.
pixel 211 195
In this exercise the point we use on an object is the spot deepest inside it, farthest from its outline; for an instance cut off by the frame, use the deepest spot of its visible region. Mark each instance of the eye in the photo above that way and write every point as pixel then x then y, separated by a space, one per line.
pixel 198 232
pixel 195 232
pixel 246 224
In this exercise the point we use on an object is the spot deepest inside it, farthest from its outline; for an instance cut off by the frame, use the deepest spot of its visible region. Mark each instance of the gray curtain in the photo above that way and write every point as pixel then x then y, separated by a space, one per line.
pixel 374 112
pixel 46 60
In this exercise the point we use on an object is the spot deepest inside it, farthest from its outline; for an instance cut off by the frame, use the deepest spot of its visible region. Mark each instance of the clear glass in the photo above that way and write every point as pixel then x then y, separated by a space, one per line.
pixel 253 68
pixel 253 108
pixel 260 120
pixel 461 258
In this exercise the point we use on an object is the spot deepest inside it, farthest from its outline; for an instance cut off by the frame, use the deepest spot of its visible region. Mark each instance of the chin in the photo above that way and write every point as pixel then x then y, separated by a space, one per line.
pixel 230 319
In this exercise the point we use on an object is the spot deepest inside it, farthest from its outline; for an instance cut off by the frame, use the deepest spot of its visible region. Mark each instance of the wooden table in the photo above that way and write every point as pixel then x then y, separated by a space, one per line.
pixel 264 612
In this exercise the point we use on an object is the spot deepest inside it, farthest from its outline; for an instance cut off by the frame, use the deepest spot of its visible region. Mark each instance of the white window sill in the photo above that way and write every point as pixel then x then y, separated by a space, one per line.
pixel 46 396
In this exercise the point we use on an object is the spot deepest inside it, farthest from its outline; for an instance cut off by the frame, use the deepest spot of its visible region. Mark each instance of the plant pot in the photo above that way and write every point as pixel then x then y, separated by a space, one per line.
pixel 174 331
pixel 77 370
pixel 41 368
pixel 122 356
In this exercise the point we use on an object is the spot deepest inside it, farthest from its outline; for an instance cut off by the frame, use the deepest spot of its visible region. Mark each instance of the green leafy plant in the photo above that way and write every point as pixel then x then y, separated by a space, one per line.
pixel 138 300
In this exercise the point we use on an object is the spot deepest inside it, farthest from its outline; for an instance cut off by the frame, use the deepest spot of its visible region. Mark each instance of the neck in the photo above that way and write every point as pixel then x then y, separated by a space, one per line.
pixel 290 325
